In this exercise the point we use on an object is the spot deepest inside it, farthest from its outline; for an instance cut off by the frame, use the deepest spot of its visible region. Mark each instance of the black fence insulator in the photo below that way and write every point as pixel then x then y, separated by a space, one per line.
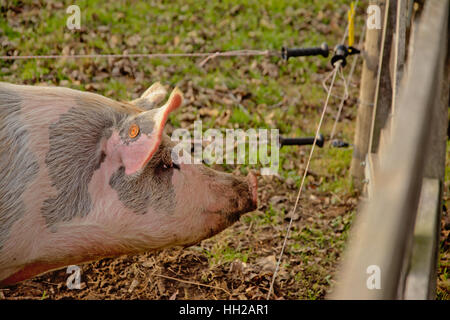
pixel 287 53
pixel 302 141
pixel 341 52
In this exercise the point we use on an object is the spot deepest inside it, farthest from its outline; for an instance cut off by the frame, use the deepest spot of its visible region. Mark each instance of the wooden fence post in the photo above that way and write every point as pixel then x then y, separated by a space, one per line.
pixel 379 246
pixel 368 86
pixel 420 282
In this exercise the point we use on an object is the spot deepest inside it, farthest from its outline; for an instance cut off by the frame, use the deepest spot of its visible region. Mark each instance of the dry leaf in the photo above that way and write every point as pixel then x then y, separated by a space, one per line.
pixel 268 263
pixel 133 40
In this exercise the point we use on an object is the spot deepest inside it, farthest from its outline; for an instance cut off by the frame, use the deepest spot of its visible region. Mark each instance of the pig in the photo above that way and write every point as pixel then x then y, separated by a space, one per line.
pixel 84 177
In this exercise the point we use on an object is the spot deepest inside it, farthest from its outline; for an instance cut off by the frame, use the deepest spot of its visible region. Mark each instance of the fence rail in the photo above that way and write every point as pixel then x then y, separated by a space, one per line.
pixel 395 235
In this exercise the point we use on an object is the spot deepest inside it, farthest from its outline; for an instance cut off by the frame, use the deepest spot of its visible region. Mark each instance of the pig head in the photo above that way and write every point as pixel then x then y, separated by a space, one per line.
pixel 85 177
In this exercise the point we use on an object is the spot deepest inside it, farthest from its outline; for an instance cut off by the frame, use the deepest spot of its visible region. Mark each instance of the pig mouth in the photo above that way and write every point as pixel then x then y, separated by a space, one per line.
pixel 237 208
pixel 242 199
pixel 244 202
pixel 234 216
pixel 229 219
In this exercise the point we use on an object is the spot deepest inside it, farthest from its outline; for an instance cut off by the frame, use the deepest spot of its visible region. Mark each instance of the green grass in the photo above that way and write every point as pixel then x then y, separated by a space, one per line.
pixel 284 95
pixel 223 253
pixel 270 216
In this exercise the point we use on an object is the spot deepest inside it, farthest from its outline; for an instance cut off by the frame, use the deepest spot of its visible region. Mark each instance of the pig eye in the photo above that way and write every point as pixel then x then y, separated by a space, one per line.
pixel 171 166
pixel 133 131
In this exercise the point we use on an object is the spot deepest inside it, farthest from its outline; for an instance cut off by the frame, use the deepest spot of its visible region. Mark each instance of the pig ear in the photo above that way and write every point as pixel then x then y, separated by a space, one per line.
pixel 146 145
pixel 151 97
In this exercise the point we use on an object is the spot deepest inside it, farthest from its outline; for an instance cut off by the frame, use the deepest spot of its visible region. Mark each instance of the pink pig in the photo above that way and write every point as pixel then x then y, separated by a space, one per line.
pixel 85 177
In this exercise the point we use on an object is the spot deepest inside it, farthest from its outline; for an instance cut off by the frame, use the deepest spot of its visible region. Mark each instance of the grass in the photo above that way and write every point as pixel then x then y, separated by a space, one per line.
pixel 283 95
pixel 223 252
pixel 271 216
pixel 163 26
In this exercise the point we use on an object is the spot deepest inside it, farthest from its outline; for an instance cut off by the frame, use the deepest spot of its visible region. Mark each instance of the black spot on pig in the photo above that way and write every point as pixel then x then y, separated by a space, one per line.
pixel 73 156
pixel 152 188
pixel 18 165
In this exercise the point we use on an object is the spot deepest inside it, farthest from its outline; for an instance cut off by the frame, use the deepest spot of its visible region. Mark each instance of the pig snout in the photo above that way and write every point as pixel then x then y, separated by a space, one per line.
pixel 210 201
pixel 246 195
pixel 236 199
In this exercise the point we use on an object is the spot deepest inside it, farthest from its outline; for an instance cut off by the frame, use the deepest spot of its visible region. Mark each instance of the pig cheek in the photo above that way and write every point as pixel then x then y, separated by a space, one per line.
pixel 195 208
pixel 146 231
pixel 192 190
pixel 212 191
pixel 187 218
pixel 193 195
pixel 151 229
pixel 110 210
